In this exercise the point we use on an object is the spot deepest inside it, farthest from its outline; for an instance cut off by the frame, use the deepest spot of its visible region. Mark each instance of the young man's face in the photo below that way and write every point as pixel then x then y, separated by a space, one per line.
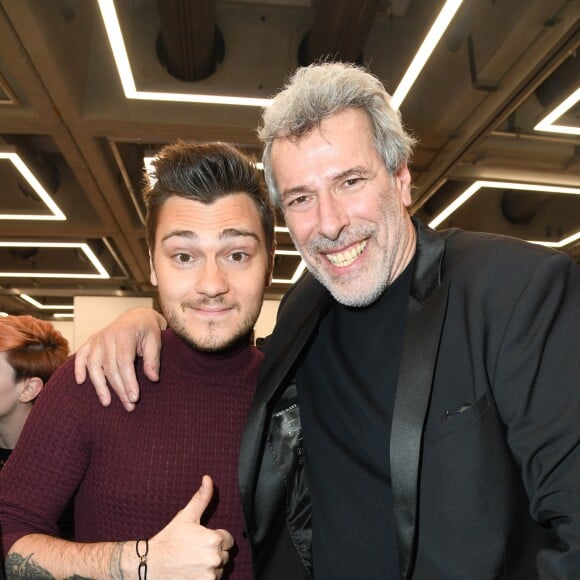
pixel 346 214
pixel 211 267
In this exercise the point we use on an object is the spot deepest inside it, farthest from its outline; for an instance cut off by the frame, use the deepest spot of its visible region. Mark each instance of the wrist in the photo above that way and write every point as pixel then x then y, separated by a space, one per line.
pixel 142 551
pixel 125 562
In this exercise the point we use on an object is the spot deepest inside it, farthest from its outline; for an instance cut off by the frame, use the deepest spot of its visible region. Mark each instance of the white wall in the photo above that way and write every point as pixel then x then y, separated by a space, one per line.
pixel 267 319
pixel 94 312
pixel 66 328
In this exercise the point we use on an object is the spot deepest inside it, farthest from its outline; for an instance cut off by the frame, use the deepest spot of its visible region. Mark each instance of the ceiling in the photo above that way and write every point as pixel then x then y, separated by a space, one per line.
pixel 499 69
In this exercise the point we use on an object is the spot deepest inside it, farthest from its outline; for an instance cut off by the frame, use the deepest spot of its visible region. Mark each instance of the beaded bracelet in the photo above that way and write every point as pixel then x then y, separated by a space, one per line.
pixel 142 568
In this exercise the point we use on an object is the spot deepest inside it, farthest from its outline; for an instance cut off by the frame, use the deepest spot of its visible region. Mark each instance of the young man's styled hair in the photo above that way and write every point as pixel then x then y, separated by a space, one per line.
pixel 320 90
pixel 33 347
pixel 205 173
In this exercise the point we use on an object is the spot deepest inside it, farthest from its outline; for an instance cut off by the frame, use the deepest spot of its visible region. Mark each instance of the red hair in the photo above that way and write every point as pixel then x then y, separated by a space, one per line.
pixel 34 348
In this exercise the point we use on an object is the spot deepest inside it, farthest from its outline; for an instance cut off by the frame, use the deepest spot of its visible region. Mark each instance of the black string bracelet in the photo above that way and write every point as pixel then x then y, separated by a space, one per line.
pixel 142 568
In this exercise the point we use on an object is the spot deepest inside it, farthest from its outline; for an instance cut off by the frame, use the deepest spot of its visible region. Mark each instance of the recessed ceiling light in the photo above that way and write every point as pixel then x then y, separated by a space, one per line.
pixel 102 272
pixel 41 306
pixel 10 154
pixel 117 43
pixel 115 35
pixel 563 242
pixel 478 185
pixel 548 122
pixel 425 50
pixel 297 273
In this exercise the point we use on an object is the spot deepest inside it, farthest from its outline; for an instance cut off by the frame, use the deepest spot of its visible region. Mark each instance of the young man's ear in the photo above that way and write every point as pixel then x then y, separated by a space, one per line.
pixel 152 275
pixel 31 388
pixel 271 259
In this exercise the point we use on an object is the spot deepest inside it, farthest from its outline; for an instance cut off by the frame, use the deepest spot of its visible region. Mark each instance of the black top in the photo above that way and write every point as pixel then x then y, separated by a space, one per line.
pixel 346 387
pixel 4 455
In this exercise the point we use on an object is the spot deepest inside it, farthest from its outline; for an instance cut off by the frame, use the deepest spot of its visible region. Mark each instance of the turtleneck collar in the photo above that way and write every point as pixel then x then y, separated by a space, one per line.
pixel 237 360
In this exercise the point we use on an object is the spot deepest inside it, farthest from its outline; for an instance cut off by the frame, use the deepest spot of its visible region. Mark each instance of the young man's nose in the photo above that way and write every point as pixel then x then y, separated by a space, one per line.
pixel 212 280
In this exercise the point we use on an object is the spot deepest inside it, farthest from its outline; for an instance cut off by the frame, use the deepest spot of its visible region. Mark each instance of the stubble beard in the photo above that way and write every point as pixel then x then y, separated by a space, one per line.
pixel 211 341
pixel 353 289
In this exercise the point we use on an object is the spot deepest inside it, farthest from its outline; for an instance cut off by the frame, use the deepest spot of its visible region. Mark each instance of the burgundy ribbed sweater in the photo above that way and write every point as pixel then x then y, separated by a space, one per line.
pixel 135 470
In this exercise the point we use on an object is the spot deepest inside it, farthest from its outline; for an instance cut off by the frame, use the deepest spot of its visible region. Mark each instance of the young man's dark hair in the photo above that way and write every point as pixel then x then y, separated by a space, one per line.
pixel 205 173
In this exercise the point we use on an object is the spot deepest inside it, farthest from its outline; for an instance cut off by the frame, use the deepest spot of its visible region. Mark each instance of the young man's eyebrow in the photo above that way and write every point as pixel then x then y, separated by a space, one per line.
pixel 189 234
pixel 229 233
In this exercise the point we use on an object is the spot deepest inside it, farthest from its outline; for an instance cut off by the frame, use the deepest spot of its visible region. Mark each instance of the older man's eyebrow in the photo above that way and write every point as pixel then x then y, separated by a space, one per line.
pixel 357 170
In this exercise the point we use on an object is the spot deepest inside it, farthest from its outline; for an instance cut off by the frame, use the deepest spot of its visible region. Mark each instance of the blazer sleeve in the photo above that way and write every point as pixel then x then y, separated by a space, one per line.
pixel 536 386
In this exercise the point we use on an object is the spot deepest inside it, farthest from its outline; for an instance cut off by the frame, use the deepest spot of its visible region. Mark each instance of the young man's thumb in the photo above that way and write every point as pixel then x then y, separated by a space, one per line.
pixel 199 502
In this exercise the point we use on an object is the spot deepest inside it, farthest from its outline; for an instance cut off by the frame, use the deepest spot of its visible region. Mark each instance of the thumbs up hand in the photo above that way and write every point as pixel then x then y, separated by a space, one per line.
pixel 186 549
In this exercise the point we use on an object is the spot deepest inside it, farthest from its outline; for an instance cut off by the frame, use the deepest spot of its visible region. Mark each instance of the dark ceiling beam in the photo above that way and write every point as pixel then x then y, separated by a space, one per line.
pixel 187 39
pixel 339 31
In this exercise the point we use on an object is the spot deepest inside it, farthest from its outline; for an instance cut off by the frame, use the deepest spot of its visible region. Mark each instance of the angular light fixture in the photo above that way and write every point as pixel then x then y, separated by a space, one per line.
pixel 297 273
pixel 425 50
pixel 117 43
pixel 41 306
pixel 478 185
pixel 115 35
pixel 548 123
pixel 102 272
pixel 11 154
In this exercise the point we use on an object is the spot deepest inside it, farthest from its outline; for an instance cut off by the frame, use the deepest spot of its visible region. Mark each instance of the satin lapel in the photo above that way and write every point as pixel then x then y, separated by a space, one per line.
pixel 420 348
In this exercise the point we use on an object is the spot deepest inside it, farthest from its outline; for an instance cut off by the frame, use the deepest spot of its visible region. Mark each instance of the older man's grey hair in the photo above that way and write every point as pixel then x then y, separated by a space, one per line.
pixel 323 89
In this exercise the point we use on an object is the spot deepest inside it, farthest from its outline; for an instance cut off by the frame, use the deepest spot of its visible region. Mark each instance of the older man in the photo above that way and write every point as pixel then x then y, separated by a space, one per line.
pixel 417 411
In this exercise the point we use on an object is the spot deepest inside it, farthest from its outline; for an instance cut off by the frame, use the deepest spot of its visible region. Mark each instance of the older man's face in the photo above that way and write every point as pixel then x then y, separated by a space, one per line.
pixel 346 214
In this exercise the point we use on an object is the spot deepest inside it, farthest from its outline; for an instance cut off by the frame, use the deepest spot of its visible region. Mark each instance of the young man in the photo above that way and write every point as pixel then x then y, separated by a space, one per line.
pixel 417 410
pixel 210 236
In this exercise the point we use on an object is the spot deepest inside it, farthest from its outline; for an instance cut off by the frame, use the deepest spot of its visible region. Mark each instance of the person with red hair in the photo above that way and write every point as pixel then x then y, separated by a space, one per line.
pixel 30 351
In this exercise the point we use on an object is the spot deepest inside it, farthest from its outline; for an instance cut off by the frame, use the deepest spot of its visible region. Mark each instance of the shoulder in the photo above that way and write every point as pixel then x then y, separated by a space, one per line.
pixel 474 255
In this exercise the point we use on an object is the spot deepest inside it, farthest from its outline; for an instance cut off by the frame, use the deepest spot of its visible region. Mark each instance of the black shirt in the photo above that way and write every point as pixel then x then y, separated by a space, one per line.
pixel 346 387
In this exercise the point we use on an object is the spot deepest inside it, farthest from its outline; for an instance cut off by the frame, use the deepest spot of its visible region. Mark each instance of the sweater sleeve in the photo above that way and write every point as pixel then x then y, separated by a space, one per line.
pixel 48 462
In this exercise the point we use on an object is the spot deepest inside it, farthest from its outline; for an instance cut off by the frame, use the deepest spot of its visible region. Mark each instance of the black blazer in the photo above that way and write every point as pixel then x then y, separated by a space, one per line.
pixel 485 439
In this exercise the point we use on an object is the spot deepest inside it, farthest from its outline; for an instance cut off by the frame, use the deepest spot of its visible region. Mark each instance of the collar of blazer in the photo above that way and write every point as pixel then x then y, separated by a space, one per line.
pixel 425 318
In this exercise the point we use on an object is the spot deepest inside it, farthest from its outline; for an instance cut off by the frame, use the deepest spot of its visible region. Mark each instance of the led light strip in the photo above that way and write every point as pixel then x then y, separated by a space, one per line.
pixel 115 36
pixel 425 50
pixel 477 185
pixel 23 169
pixel 41 306
pixel 547 123
pixel 103 274
pixel 121 57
